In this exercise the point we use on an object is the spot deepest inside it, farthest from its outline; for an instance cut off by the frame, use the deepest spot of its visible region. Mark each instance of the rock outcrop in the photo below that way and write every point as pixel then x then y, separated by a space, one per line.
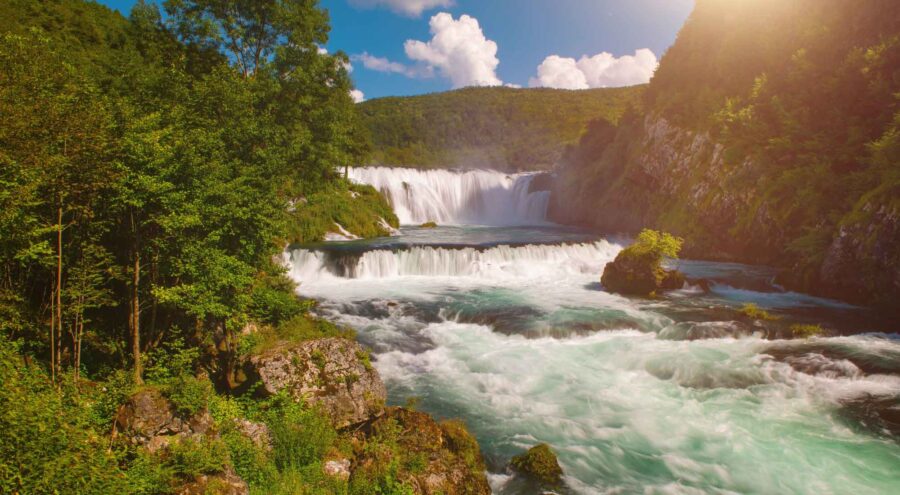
pixel 148 419
pixel 332 373
pixel 447 457
pixel 540 463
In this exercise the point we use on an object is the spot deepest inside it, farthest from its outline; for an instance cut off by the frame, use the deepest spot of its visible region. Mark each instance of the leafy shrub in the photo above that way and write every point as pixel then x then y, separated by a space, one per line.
pixel 189 394
pixel 189 458
pixel 300 435
pixel 47 444
pixel 169 361
pixel 754 312
pixel 806 331
pixel 251 462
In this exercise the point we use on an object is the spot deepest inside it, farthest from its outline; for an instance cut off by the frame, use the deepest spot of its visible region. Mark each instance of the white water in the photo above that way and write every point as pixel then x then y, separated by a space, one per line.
pixel 661 396
pixel 498 262
pixel 447 197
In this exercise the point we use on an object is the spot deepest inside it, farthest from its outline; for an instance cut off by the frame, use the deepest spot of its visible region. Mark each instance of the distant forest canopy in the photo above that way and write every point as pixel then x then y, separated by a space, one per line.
pixel 770 133
pixel 500 128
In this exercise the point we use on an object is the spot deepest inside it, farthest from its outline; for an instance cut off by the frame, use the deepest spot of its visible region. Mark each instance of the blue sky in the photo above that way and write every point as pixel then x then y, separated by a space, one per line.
pixel 555 43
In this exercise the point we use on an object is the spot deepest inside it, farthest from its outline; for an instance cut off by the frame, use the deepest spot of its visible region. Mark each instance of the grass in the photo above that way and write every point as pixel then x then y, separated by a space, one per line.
pixel 298 329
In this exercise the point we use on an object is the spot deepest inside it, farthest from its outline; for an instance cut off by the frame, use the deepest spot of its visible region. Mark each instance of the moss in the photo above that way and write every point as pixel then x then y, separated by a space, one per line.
pixel 806 331
pixel 428 225
pixel 754 312
pixel 539 462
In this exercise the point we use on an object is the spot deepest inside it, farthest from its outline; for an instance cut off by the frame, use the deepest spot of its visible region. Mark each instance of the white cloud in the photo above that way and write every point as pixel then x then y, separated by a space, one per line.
pixel 357 95
pixel 382 64
pixel 559 72
pixel 600 71
pixel 459 51
pixel 412 8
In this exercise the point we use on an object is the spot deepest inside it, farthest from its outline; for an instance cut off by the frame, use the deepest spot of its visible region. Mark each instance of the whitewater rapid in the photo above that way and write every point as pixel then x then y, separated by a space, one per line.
pixel 523 344
pixel 449 197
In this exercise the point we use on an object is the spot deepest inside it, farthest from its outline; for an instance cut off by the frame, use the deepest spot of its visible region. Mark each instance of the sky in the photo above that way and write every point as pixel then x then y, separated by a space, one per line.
pixel 406 47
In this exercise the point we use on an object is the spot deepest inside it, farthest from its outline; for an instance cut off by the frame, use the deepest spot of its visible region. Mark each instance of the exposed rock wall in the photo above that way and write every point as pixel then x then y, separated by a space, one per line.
pixel 657 175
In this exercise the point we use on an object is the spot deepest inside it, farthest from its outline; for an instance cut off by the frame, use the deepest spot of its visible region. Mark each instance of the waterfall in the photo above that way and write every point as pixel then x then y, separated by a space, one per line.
pixel 470 197
pixel 497 262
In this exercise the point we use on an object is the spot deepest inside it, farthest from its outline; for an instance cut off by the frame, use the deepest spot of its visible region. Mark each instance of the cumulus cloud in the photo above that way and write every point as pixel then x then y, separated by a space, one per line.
pixel 458 50
pixel 357 95
pixel 599 71
pixel 411 8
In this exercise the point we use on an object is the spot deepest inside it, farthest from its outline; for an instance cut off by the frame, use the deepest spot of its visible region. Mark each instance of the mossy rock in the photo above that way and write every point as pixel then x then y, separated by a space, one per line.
pixel 540 463
pixel 429 225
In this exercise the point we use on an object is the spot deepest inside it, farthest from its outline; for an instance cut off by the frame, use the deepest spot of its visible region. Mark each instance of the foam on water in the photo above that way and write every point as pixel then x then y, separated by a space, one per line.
pixel 647 405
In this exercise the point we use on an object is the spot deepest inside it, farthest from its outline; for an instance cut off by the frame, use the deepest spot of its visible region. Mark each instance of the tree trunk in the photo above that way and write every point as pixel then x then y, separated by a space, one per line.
pixel 136 306
pixel 56 345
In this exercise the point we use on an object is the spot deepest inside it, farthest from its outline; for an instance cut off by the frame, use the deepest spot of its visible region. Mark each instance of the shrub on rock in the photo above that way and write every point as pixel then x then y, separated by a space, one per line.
pixel 638 269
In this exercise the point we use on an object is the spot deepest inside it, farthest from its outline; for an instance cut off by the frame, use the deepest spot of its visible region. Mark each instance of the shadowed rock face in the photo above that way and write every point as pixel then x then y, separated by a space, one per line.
pixel 148 419
pixel 332 373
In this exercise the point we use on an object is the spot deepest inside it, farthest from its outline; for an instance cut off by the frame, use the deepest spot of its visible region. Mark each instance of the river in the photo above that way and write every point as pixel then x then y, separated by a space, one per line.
pixel 497 317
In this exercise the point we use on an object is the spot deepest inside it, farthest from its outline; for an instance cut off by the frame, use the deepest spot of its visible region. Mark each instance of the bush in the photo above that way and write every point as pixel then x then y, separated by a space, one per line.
pixel 300 435
pixel 754 312
pixel 806 331
pixel 48 445
pixel 190 458
pixel 189 394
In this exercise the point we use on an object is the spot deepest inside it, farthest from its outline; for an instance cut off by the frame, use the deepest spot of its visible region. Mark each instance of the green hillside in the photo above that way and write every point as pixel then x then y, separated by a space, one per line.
pixel 500 128
pixel 770 134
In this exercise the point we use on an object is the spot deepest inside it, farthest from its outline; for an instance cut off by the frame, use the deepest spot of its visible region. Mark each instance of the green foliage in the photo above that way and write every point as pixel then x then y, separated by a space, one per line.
pixel 300 435
pixel 297 329
pixel 48 445
pixel 805 331
pixel 251 462
pixel 190 458
pixel 655 245
pixel 359 209
pixel 463 443
pixel 539 462
pixel 500 128
pixel 383 475
pixel 189 394
pixel 754 312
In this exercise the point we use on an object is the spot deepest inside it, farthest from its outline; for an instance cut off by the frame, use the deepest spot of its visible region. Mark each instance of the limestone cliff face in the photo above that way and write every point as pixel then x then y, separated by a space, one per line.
pixel 655 174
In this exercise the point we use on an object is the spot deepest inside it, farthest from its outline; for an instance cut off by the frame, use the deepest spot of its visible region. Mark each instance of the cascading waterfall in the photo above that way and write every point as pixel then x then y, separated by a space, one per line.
pixel 500 261
pixel 470 197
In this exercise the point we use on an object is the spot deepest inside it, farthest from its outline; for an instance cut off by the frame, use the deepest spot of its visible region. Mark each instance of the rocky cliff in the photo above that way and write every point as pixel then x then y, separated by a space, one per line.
pixel 769 134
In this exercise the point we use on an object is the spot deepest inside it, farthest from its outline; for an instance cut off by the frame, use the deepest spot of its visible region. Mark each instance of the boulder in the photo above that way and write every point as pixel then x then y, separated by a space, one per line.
pixel 447 457
pixel 258 433
pixel 331 373
pixel 339 468
pixel 150 420
pixel 638 276
pixel 539 463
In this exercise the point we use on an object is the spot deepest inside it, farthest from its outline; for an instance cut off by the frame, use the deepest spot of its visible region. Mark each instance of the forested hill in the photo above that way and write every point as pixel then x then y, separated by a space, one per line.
pixel 499 128
pixel 770 134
